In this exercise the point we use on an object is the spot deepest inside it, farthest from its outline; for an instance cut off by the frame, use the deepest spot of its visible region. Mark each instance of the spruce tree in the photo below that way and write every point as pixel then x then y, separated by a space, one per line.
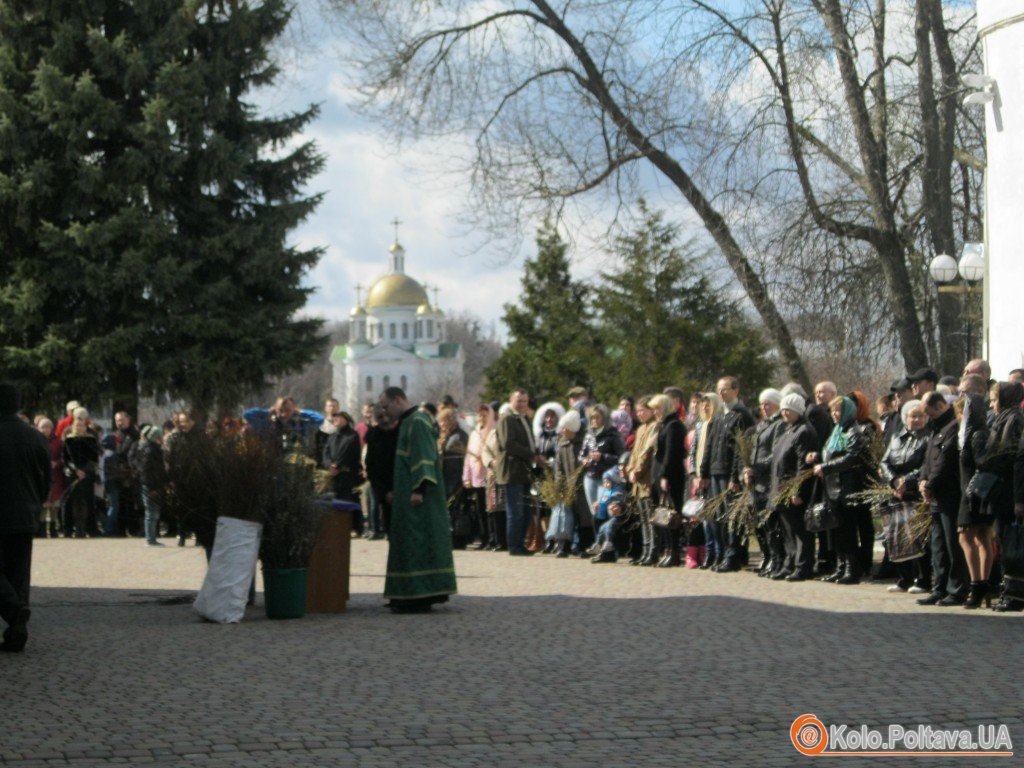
pixel 552 344
pixel 145 205
pixel 665 323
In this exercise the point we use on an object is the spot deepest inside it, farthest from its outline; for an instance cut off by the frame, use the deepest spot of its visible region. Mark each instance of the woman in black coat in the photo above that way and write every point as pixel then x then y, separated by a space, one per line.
pixel 789 460
pixel 81 458
pixel 982 516
pixel 668 473
pixel 900 469
pixel 342 457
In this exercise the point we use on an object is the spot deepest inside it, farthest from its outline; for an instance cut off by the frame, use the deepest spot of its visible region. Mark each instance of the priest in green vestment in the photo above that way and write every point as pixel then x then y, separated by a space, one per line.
pixel 421 570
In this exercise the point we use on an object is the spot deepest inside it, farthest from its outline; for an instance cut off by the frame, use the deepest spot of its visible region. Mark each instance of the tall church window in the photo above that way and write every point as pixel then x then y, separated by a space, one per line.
pixel 393 331
pixel 405 384
pixel 405 330
pixel 430 329
pixel 387 382
pixel 369 383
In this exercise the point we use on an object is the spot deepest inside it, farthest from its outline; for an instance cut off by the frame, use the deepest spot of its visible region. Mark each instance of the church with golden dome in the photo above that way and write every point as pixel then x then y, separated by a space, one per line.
pixel 396 339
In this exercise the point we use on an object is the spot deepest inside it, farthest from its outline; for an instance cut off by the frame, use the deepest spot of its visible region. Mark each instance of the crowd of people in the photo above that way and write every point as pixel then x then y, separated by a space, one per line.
pixel 664 480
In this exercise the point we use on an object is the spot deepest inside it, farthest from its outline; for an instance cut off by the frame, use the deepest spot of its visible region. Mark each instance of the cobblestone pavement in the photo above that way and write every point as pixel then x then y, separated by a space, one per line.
pixel 538 662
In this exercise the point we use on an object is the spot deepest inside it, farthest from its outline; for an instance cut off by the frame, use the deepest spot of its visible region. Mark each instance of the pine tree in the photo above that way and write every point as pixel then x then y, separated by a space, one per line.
pixel 664 322
pixel 145 206
pixel 552 344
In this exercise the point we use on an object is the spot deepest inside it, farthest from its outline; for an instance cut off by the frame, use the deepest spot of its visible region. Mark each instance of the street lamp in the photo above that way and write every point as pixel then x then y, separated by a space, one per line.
pixel 944 270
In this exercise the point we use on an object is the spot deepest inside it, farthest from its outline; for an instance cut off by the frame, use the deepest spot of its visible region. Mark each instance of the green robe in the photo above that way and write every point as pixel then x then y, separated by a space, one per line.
pixel 420 563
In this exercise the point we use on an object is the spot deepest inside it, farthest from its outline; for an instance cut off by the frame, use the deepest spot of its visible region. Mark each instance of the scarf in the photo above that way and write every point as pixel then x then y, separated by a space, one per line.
pixel 837 441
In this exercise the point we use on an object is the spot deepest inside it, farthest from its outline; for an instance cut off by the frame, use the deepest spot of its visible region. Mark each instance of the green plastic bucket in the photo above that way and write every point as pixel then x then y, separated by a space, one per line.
pixel 284 592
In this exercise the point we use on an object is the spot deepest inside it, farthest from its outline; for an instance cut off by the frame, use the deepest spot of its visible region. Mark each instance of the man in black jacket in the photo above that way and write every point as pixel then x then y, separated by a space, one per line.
pixel 721 464
pixel 940 487
pixel 24 484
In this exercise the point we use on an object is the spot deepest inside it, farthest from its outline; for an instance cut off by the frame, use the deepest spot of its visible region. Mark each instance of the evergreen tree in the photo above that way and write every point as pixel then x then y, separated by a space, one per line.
pixel 145 205
pixel 552 343
pixel 665 324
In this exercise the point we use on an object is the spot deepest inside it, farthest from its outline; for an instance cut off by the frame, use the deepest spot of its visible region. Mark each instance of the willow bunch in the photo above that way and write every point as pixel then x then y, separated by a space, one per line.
pixel 920 523
pixel 791 488
pixel 877 449
pixel 744 446
pixel 709 512
pixel 559 490
pixel 877 495
pixel 740 511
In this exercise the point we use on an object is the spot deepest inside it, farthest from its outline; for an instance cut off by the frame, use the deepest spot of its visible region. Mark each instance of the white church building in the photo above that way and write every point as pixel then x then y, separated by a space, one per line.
pixel 396 339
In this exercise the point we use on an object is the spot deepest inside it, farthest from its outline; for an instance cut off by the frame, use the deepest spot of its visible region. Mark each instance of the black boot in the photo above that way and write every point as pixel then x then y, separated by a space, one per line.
pixel 851 574
pixel 979 592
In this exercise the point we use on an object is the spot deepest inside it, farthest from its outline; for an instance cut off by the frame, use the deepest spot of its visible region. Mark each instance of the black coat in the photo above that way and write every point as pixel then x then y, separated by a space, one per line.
pixel 610 444
pixel 820 419
pixel 973 434
pixel 720 456
pixel 453 455
pixel 24 476
pixel 765 435
pixel 670 459
pixel 846 472
pixel 999 456
pixel 903 459
pixel 342 450
pixel 941 467
pixel 381 445
pixel 789 454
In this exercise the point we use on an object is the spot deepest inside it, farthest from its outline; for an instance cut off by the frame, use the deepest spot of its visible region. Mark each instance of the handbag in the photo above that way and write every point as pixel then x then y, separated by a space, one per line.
pixel 560 527
pixel 900 543
pixel 693 507
pixel 821 517
pixel 666 517
pixel 982 484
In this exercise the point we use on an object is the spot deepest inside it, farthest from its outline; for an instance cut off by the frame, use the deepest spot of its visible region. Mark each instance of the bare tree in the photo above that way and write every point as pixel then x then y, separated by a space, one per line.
pixel 814 141
pixel 556 102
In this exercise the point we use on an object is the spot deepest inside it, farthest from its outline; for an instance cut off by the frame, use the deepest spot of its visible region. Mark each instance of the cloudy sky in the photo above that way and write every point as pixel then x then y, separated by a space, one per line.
pixel 367 184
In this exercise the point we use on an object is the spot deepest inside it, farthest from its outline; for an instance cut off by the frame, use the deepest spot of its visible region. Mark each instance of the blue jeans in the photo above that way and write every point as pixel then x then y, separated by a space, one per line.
pixel 151 523
pixel 715 531
pixel 606 535
pixel 113 509
pixel 517 521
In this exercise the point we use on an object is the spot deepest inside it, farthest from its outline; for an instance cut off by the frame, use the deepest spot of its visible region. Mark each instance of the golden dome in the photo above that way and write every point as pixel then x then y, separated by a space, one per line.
pixel 396 290
pixel 356 311
pixel 423 309
pixel 437 311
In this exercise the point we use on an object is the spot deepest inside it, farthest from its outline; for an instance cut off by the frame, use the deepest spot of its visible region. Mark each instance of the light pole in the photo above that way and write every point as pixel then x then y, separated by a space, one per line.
pixel 944 270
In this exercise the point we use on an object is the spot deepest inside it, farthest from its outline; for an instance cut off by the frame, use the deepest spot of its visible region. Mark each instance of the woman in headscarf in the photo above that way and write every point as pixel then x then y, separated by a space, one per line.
pixel 81 457
pixel 900 469
pixel 567 463
pixel 846 460
pixel 714 534
pixel 545 435
pixel 474 474
pixel 49 522
pixel 995 457
pixel 638 472
pixel 668 474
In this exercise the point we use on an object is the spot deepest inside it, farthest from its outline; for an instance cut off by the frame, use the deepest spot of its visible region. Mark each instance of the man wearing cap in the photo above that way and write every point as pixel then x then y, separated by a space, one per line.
pixel 757 477
pixel 922 381
pixel 580 401
pixel 24 485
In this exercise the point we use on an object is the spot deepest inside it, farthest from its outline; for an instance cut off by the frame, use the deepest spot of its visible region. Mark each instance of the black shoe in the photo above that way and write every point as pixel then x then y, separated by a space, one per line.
pixel 563 552
pixel 16 635
pixel 797 577
pixel 520 553
pixel 932 599
pixel 950 600
pixel 605 557
pixel 979 594
pixel 833 577
pixel 779 575
pixel 1006 605
pixel 850 575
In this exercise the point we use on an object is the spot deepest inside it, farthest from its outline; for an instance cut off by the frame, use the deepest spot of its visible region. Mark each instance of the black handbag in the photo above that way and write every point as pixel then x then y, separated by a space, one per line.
pixel 821 517
pixel 982 484
pixel 666 517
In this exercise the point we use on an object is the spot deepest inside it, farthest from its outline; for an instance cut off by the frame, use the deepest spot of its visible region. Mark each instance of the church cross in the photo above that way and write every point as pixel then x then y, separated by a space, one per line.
pixel 359 291
pixel 396 223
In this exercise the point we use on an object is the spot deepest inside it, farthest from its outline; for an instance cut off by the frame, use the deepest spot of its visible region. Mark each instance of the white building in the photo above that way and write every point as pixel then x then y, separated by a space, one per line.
pixel 396 339
pixel 1001 27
